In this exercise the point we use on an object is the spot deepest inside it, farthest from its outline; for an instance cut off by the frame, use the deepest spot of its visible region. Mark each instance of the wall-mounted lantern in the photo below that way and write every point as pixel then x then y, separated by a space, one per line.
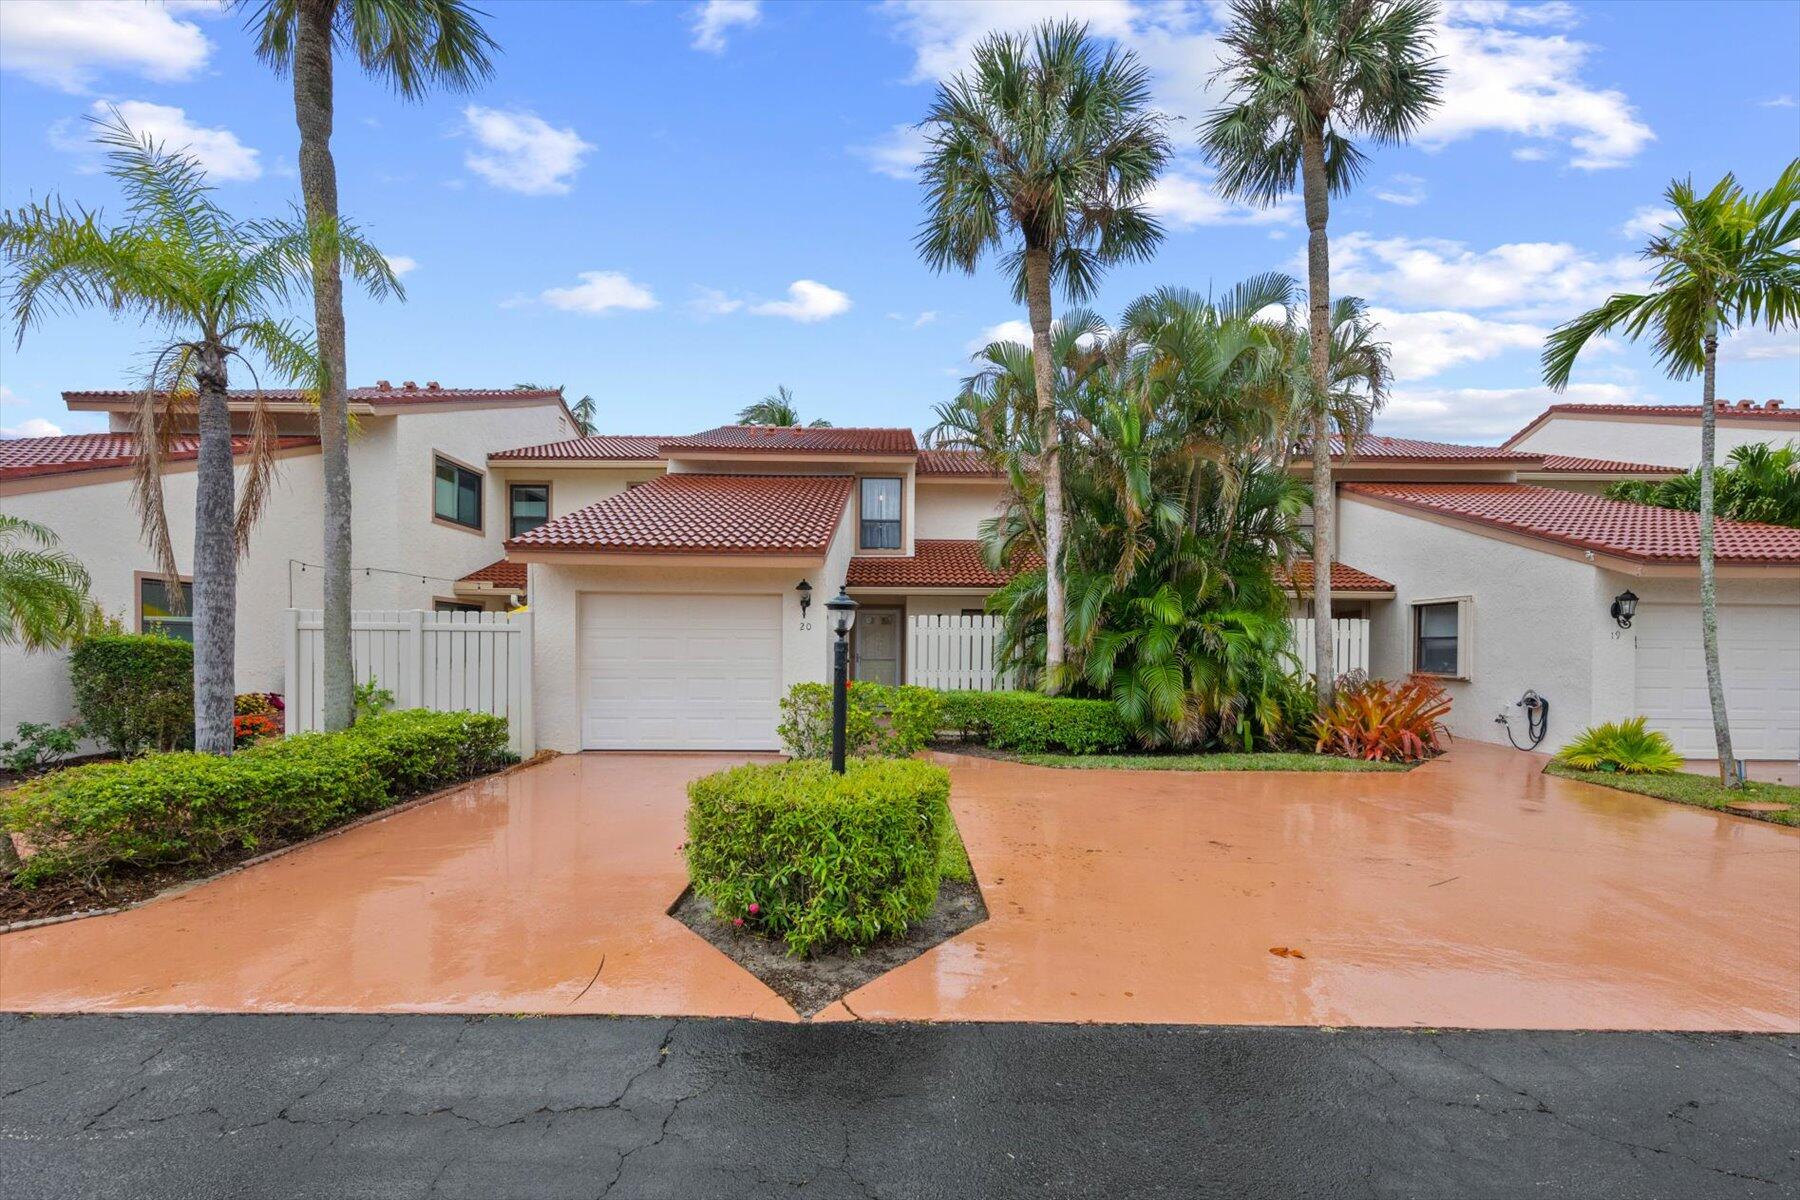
pixel 1624 607
pixel 805 590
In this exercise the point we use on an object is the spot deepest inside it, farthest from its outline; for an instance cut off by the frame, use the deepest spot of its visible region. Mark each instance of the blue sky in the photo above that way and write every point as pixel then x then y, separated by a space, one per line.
pixel 676 207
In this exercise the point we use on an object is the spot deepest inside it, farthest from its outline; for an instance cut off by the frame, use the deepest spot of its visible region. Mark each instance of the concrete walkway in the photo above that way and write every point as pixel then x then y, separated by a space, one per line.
pixel 1472 892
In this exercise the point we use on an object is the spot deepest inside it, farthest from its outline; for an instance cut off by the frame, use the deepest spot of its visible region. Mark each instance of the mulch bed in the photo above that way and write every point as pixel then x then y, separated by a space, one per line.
pixel 811 984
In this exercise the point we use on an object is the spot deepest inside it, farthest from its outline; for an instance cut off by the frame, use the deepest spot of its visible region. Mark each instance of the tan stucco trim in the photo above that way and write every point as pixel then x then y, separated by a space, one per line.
pixel 1726 416
pixel 69 479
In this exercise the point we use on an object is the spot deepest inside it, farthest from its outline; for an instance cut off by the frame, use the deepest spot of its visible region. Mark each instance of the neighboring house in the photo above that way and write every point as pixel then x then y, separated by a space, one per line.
pixel 426 511
pixel 1665 434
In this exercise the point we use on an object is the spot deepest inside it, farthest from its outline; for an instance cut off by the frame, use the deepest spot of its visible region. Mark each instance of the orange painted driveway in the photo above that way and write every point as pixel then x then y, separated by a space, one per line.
pixel 1471 892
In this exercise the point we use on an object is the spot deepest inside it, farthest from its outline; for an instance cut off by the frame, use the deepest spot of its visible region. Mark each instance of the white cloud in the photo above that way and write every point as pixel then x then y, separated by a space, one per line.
pixel 1525 280
pixel 1531 154
pixel 401 264
pixel 896 153
pixel 599 293
pixel 808 301
pixel 31 427
pixel 1404 190
pixel 1005 331
pixel 924 319
pixel 224 157
pixel 1647 221
pixel 1782 101
pixel 1760 345
pixel 9 398
pixel 522 152
pixel 715 18
pixel 711 302
pixel 1188 201
pixel 1427 343
pixel 1487 414
pixel 68 43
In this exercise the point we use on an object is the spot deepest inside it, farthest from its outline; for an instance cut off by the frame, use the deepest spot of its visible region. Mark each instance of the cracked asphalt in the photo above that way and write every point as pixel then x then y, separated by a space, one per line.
pixel 496 1107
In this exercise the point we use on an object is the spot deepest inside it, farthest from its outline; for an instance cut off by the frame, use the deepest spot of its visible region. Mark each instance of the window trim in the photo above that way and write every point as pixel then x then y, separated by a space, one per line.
pixel 480 527
pixel 899 521
pixel 549 500
pixel 185 582
pixel 1465 627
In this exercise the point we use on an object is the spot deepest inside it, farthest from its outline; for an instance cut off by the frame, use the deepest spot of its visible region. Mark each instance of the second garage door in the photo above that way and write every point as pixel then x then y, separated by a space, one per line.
pixel 680 671
pixel 1759 656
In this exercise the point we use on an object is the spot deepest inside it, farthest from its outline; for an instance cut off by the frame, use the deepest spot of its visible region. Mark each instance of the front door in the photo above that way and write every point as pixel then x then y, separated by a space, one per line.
pixel 878 645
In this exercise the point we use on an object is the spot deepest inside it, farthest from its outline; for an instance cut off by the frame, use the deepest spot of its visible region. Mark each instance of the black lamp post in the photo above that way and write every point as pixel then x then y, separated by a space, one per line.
pixel 1624 607
pixel 843 609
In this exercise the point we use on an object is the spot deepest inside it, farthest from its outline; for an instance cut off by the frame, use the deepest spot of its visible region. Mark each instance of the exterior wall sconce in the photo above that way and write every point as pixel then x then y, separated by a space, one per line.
pixel 1624 607
pixel 805 590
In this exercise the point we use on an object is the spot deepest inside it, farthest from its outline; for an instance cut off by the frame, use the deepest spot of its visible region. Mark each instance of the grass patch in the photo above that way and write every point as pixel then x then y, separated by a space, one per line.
pixel 1208 762
pixel 1699 790
pixel 953 857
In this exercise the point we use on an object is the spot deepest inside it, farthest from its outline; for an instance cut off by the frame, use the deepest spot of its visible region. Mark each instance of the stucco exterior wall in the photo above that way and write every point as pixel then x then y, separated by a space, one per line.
pixel 574 488
pixel 956 510
pixel 1663 443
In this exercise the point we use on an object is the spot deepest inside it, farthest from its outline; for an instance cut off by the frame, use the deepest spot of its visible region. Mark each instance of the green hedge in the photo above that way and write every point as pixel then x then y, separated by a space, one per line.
pixel 886 722
pixel 1035 724
pixel 825 859
pixel 135 692
pixel 183 807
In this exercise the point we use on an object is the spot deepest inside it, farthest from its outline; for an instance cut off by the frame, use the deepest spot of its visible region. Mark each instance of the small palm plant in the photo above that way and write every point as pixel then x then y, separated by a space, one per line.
pixel 44 600
pixel 1627 747
pixel 777 408
pixel 216 287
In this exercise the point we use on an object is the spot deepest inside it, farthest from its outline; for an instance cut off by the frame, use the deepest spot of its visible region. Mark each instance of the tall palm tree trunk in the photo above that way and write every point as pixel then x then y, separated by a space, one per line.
pixel 1709 588
pixel 215 563
pixel 318 184
pixel 1037 304
pixel 1318 300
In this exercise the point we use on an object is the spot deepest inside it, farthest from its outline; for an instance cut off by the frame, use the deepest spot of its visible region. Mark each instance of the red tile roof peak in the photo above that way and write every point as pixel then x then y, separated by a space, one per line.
pixel 67 453
pixel 880 442
pixel 696 513
pixel 934 563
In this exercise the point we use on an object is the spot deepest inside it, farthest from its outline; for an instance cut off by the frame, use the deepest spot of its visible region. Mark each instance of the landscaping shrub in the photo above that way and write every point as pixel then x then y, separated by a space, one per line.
pixel 1035 724
pixel 135 692
pixel 818 859
pixel 1624 746
pixel 39 746
pixel 888 722
pixel 182 807
pixel 1385 722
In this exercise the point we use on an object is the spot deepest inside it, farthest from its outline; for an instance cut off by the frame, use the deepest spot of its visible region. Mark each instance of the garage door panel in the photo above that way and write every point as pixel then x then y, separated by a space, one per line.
pixel 1759 657
pixel 680 671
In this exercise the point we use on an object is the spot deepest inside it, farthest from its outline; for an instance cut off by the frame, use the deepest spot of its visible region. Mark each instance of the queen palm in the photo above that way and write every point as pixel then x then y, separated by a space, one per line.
pixel 1047 146
pixel 1305 78
pixel 44 600
pixel 215 287
pixel 410 45
pixel 1729 260
pixel 777 408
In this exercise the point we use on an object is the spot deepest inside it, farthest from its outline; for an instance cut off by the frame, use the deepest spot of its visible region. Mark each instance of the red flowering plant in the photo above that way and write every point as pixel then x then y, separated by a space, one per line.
pixel 1386 722
pixel 251 727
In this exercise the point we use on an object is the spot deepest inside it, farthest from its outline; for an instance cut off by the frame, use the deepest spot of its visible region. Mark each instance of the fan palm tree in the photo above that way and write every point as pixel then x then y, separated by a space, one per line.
pixel 585 412
pixel 1730 260
pixel 410 45
pixel 215 286
pixel 1305 78
pixel 777 408
pixel 1046 145
pixel 44 602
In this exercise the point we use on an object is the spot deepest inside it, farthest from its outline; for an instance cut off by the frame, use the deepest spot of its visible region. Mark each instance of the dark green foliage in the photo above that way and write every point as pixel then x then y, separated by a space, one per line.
pixel 135 692
pixel 826 859
pixel 170 809
pixel 1035 724
pixel 1760 482
pixel 883 722
pixel 39 747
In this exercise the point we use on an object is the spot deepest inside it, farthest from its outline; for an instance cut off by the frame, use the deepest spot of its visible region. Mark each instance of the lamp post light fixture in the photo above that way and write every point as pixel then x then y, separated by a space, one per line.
pixel 805 589
pixel 1624 607
pixel 843 610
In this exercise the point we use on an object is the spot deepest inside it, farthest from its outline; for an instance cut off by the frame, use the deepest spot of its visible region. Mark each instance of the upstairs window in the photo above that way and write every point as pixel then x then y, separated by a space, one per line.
pixel 157 603
pixel 880 514
pixel 456 495
pixel 528 506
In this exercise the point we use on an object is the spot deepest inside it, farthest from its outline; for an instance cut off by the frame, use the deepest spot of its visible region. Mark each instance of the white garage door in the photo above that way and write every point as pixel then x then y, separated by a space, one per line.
pixel 680 672
pixel 1759 656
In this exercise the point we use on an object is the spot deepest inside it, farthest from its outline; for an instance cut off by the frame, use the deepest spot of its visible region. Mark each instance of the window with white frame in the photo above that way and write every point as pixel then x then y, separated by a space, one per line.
pixel 1440 637
pixel 880 504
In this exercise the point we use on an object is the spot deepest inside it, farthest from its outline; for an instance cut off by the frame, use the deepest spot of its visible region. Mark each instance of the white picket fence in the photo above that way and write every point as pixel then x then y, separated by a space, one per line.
pixel 475 661
pixel 1349 644
pixel 954 653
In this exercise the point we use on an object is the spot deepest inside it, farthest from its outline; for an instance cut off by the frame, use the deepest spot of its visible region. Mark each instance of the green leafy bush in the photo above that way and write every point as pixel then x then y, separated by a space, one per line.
pixel 818 859
pixel 881 721
pixel 135 692
pixel 39 746
pixel 1035 724
pixel 182 807
pixel 1624 746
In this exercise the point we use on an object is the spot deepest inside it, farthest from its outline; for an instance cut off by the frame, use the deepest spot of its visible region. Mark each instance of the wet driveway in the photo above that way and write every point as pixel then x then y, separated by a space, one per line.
pixel 1471 892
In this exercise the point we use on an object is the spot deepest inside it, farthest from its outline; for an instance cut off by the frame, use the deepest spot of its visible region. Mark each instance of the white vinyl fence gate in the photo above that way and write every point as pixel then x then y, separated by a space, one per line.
pixel 1349 644
pixel 475 661
pixel 954 653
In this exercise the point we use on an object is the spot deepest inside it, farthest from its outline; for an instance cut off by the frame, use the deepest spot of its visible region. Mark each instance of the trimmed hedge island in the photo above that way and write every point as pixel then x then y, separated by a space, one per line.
pixel 1035 724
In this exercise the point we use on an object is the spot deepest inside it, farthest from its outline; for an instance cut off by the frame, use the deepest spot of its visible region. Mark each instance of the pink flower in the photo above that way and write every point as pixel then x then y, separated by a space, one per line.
pixel 755 908
pixel 737 920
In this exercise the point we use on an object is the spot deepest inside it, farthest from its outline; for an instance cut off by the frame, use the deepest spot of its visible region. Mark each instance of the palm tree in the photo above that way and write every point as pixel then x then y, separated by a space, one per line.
pixel 1047 143
pixel 1728 261
pixel 1306 77
pixel 411 45
pixel 215 286
pixel 585 412
pixel 1761 482
pixel 44 602
pixel 777 408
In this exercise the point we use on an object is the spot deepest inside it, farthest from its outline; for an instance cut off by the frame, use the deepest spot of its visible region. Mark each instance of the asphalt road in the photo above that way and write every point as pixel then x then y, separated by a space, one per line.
pixel 496 1107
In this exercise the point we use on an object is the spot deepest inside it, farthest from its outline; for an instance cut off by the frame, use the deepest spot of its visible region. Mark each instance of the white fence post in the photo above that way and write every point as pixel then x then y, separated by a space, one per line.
pixel 1349 644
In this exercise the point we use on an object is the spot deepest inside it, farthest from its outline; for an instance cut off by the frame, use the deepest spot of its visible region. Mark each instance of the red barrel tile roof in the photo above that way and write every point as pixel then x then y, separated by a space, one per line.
pixel 625 447
pixel 503 575
pixel 1616 527
pixel 1343 578
pixel 1573 465
pixel 962 463
pixel 934 563
pixel 704 514
pixel 1759 411
pixel 378 396
pixel 798 440
pixel 22 458
pixel 1378 446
